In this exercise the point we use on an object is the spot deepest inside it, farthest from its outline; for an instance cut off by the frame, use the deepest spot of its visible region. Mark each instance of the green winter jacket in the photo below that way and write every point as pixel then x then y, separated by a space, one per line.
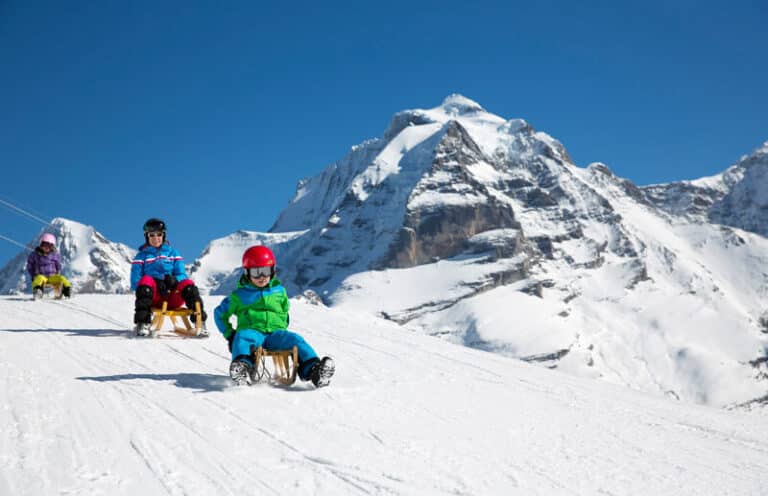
pixel 262 309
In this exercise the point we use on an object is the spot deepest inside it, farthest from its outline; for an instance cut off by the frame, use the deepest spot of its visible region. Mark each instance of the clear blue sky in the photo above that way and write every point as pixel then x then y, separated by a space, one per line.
pixel 208 113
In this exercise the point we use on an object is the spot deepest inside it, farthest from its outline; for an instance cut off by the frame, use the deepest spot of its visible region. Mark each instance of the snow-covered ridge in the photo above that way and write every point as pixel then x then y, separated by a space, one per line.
pixel 736 197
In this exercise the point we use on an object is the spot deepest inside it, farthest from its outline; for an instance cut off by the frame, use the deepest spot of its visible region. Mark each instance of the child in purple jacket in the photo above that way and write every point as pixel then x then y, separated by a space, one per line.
pixel 44 267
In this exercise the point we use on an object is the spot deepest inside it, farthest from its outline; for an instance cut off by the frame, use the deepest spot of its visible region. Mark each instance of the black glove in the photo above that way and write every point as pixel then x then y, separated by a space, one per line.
pixel 162 289
pixel 170 282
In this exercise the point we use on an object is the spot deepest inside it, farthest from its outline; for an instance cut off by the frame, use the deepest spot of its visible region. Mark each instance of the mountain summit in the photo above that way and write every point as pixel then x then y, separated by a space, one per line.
pixel 459 104
pixel 419 193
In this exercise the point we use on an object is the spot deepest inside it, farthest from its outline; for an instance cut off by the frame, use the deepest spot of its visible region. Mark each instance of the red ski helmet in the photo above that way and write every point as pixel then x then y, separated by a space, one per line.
pixel 258 256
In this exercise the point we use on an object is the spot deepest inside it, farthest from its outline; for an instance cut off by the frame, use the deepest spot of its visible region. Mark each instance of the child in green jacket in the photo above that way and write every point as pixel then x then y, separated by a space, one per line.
pixel 261 306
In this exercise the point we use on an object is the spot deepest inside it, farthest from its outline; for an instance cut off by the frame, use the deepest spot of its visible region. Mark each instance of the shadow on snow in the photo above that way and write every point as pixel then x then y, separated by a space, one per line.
pixel 199 382
pixel 202 383
pixel 79 332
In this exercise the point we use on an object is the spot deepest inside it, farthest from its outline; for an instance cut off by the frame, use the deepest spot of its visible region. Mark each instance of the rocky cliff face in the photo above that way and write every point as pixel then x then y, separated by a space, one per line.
pixel 447 206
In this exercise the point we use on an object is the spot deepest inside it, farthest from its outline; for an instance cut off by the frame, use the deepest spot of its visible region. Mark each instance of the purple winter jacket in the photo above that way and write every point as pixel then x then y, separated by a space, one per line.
pixel 40 263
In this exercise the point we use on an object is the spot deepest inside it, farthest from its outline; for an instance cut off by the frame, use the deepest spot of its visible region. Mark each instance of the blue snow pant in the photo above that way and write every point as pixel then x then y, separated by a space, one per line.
pixel 276 340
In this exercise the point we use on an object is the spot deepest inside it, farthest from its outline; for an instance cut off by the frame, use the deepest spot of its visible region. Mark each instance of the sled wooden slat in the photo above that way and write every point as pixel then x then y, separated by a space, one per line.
pixel 56 288
pixel 159 315
pixel 284 362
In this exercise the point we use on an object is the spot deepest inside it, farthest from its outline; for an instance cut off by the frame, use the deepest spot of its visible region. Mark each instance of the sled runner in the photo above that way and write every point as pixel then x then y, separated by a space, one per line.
pixel 284 362
pixel 159 315
pixel 53 289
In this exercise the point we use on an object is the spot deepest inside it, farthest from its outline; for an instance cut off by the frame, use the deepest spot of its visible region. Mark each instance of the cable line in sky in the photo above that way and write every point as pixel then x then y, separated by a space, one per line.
pixel 21 211
pixel 14 242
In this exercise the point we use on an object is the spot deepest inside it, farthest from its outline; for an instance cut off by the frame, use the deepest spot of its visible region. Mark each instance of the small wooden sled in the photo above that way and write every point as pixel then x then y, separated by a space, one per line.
pixel 159 315
pixel 284 362
pixel 54 289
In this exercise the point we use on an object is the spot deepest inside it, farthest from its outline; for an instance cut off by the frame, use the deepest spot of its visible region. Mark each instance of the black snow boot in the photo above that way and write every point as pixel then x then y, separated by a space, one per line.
pixel 191 296
pixel 241 372
pixel 321 372
pixel 143 313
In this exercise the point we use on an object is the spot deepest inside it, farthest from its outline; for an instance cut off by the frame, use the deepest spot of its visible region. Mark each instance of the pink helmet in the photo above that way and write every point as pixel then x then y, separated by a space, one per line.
pixel 48 238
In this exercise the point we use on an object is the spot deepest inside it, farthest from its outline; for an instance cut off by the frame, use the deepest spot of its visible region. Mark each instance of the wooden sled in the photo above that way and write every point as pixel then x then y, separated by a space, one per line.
pixel 159 315
pixel 284 362
pixel 53 289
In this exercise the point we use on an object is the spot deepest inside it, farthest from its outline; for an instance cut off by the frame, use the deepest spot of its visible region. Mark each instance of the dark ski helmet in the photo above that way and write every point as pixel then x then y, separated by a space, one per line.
pixel 153 225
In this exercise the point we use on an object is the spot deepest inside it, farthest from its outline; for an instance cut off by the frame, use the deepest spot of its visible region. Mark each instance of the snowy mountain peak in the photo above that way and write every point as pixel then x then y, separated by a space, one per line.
pixel 457 104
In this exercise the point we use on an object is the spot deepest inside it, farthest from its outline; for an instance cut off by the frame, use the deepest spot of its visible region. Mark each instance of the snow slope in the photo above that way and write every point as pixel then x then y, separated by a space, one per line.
pixel 85 410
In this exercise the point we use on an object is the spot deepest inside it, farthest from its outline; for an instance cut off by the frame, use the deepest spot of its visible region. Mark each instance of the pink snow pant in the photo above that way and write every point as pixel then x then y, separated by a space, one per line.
pixel 174 299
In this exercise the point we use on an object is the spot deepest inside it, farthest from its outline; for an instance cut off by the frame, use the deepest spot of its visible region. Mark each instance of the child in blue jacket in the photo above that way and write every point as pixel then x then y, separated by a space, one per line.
pixel 158 275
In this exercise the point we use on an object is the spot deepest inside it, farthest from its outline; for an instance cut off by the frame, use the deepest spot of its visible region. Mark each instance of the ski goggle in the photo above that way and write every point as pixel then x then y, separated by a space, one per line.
pixel 46 244
pixel 257 272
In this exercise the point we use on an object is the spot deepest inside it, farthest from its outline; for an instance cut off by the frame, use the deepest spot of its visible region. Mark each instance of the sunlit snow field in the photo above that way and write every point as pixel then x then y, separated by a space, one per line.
pixel 88 410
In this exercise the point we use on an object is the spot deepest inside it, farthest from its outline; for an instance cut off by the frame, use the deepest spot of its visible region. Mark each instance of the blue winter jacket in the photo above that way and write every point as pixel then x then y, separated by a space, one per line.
pixel 157 262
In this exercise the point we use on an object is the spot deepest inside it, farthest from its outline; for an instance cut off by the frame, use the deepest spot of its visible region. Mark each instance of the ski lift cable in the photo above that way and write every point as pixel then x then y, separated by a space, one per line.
pixel 15 242
pixel 24 212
